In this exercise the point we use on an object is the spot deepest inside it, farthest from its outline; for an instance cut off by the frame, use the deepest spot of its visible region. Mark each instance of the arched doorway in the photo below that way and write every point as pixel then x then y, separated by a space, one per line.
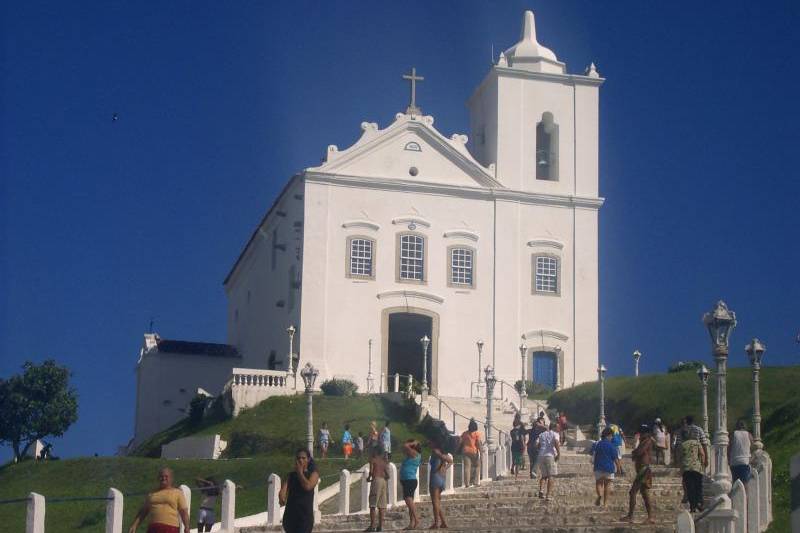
pixel 545 368
pixel 402 351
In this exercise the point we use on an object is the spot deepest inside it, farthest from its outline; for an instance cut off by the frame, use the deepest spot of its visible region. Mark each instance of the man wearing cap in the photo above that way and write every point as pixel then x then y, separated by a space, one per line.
pixel 642 458
pixel 660 437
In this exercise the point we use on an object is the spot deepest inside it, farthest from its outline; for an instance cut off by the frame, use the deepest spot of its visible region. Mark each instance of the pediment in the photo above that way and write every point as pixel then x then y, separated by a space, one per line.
pixel 410 149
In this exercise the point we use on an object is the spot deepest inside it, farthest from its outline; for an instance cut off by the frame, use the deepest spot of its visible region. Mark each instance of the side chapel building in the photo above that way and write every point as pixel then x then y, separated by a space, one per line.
pixel 409 233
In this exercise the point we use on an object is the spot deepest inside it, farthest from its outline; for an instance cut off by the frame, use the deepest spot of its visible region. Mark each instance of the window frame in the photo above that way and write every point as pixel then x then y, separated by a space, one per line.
pixel 534 290
pixel 450 282
pixel 398 242
pixel 348 257
pixel 550 127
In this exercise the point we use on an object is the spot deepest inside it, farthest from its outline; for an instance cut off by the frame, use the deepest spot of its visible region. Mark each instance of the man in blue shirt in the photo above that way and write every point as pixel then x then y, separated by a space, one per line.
pixel 606 464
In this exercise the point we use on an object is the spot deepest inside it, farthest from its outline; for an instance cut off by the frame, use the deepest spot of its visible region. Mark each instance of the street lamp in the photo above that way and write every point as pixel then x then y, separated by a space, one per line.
pixel 490 383
pixel 601 376
pixel 292 362
pixel 755 351
pixel 523 390
pixel 370 378
pixel 720 323
pixel 309 375
pixel 480 368
pixel 425 341
pixel 636 356
pixel 703 374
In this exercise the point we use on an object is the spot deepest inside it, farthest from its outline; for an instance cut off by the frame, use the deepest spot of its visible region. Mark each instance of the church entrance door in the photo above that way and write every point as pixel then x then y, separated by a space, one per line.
pixel 405 350
pixel 544 369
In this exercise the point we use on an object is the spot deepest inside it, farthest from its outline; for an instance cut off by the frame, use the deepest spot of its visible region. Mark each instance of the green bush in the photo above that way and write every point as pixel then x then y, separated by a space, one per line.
pixel 533 390
pixel 197 408
pixel 247 444
pixel 684 366
pixel 339 387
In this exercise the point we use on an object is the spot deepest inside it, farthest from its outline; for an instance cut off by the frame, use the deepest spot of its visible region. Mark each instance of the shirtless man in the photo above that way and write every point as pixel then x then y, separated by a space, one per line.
pixel 378 474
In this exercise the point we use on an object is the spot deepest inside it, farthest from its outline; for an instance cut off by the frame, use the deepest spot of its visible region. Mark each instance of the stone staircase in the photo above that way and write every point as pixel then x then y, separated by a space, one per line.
pixel 511 505
pixel 502 414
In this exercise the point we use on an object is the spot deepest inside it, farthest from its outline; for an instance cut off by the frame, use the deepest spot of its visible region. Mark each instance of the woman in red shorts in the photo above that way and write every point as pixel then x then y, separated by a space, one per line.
pixel 165 507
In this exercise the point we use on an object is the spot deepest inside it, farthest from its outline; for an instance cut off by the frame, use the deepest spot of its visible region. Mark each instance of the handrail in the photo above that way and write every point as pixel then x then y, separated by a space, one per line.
pixel 708 511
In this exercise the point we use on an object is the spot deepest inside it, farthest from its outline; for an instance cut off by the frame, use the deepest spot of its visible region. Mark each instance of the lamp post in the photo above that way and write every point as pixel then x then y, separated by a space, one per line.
pixel 636 356
pixel 720 323
pixel 703 374
pixel 292 363
pixel 370 378
pixel 755 351
pixel 490 383
pixel 601 376
pixel 480 368
pixel 309 375
pixel 523 390
pixel 425 341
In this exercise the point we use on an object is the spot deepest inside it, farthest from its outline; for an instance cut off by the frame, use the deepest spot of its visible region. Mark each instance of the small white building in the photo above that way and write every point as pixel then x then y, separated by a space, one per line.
pixel 409 233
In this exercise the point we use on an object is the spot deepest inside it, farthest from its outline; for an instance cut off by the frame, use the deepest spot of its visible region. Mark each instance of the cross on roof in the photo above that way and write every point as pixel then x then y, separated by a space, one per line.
pixel 413 78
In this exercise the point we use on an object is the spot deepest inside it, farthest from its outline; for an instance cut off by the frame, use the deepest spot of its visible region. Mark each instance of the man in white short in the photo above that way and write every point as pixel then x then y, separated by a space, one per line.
pixel 546 462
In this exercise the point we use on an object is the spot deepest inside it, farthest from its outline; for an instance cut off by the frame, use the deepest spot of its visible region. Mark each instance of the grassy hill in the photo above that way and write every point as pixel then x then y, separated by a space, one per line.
pixel 632 401
pixel 277 427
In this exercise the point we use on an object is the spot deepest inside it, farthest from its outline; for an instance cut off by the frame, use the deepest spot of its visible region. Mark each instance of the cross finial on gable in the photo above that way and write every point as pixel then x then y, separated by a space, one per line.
pixel 413 78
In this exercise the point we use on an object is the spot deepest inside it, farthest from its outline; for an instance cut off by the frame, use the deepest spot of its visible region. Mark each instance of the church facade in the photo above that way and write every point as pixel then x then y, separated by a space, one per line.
pixel 409 233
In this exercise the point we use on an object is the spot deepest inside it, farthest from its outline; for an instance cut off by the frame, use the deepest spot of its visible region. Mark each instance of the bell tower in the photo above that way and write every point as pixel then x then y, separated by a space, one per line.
pixel 537 123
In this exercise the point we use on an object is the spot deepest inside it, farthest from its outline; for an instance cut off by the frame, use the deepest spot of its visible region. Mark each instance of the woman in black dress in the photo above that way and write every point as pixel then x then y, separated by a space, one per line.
pixel 297 494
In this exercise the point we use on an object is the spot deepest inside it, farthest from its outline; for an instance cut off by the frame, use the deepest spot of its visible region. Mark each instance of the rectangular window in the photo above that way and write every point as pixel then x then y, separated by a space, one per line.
pixel 461 266
pixel 412 260
pixel 546 274
pixel 361 258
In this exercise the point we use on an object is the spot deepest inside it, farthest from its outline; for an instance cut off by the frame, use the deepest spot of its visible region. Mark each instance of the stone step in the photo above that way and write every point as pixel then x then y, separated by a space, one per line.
pixel 480 528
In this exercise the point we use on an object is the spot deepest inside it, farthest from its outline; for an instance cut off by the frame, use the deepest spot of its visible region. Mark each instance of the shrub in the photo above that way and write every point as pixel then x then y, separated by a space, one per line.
pixel 339 387
pixel 197 408
pixel 246 444
pixel 534 390
pixel 683 366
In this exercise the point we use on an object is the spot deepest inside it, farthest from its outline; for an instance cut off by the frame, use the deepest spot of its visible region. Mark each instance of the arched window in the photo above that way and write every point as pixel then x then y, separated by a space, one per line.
pixel 461 261
pixel 547 148
pixel 411 257
pixel 361 257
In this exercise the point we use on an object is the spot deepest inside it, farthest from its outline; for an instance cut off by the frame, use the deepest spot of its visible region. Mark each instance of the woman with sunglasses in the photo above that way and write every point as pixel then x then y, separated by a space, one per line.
pixel 297 494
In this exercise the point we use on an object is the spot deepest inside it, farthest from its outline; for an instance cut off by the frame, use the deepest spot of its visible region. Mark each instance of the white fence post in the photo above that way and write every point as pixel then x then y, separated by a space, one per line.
pixel 484 463
pixel 344 492
pixel 417 496
pixel 392 481
pixel 228 505
pixel 752 502
pixel 273 505
pixel 317 512
pixel 763 499
pixel 364 488
pixel 114 511
pixel 685 522
pixel 187 495
pixel 34 520
pixel 739 504
pixel 396 382
pixel 448 478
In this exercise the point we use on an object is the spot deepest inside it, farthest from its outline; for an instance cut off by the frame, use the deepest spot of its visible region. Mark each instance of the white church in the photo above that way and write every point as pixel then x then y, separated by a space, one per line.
pixel 411 233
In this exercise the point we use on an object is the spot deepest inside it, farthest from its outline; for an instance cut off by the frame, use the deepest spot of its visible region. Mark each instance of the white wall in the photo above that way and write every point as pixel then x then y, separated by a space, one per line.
pixel 260 282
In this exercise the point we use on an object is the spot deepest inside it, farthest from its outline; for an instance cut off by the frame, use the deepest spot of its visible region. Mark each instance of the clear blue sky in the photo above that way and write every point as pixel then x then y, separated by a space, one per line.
pixel 106 224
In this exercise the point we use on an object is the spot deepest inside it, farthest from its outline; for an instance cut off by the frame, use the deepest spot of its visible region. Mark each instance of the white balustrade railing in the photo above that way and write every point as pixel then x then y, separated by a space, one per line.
pixel 247 387
pixel 745 509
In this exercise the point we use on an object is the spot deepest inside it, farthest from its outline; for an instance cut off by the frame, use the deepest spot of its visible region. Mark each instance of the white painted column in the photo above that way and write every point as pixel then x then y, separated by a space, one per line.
pixel 315 505
pixel 752 502
pixel 228 506
pixel 484 463
pixel 685 522
pixel 417 496
pixel 344 492
pixel 187 495
pixel 739 504
pixel 448 478
pixel 763 500
pixel 34 520
pixel 114 511
pixel 364 488
pixel 396 382
pixel 392 481
pixel 273 505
